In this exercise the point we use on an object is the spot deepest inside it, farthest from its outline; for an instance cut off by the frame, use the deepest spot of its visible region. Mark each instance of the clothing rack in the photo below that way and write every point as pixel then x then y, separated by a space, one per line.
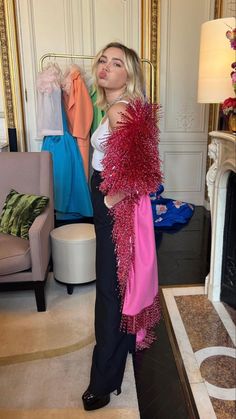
pixel 91 57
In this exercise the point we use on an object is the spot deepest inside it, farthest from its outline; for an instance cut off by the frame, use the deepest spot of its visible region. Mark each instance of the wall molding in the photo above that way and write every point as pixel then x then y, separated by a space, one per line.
pixel 172 156
pixel 68 22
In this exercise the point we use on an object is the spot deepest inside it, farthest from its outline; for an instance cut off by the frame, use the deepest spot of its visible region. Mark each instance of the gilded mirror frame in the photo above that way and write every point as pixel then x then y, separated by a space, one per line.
pixel 150 39
pixel 10 73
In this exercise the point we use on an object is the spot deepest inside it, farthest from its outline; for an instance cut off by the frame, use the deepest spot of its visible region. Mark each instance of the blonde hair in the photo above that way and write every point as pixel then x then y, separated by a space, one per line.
pixel 133 66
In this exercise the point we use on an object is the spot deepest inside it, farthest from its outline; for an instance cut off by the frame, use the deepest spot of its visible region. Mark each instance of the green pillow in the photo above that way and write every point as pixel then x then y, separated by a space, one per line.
pixel 19 212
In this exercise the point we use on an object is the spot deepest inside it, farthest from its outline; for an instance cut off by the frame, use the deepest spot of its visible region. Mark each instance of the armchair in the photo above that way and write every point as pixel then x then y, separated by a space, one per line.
pixel 24 263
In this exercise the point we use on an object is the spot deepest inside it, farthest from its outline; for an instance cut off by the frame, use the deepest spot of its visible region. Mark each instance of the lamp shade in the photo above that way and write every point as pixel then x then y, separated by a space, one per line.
pixel 216 57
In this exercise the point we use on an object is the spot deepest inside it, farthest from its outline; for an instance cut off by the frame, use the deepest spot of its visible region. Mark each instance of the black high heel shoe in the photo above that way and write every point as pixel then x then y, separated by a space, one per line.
pixel 93 402
pixel 117 391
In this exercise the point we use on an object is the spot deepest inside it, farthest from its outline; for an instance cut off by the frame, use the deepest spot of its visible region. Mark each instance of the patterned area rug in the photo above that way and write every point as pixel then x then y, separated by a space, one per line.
pixel 45 357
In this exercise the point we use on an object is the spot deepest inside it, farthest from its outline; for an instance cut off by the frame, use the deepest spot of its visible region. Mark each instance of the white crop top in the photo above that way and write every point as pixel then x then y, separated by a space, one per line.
pixel 98 141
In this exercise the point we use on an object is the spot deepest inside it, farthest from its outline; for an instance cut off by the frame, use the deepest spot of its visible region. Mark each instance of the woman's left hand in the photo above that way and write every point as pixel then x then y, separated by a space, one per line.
pixel 111 200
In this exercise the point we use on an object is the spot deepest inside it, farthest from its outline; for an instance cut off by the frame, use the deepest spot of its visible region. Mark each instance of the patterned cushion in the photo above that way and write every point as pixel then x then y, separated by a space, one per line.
pixel 19 212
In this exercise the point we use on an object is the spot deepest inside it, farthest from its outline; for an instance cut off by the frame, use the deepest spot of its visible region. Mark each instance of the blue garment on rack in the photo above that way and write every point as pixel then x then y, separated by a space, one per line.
pixel 71 192
pixel 169 212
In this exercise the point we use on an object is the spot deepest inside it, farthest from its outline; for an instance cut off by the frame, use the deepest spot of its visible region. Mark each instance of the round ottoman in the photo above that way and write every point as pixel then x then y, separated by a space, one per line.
pixel 73 254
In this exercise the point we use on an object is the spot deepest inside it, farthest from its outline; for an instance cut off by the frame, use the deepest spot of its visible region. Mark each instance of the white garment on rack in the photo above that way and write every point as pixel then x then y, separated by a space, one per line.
pixel 49 112
pixel 98 141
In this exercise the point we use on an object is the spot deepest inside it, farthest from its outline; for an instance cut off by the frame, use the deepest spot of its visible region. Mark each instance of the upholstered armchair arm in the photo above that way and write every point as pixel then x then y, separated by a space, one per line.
pixel 40 247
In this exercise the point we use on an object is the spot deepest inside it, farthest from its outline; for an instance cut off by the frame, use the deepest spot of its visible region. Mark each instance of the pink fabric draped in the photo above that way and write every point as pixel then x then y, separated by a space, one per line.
pixel 142 284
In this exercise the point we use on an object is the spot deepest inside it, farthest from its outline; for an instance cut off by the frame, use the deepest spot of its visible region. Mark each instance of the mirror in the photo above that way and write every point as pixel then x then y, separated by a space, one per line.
pixel 11 112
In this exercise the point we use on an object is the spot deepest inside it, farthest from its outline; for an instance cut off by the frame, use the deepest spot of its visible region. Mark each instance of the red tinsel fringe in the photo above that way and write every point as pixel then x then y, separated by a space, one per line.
pixel 123 237
pixel 131 163
pixel 146 319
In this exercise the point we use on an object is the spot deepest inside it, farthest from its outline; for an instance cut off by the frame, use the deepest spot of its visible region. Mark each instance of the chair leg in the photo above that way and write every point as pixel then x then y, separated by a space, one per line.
pixel 70 289
pixel 40 295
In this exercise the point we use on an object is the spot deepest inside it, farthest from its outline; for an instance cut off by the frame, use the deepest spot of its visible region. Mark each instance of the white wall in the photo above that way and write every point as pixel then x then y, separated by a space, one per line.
pixel 184 125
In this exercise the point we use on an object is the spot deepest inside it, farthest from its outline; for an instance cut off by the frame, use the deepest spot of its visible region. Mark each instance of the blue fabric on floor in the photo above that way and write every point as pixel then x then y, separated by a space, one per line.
pixel 71 192
pixel 169 212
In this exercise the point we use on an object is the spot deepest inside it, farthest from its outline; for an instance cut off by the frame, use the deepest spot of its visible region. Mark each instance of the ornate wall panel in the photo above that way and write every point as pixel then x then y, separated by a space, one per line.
pixel 184 125
pixel 116 20
pixel 184 113
pixel 191 162
pixel 186 184
pixel 82 27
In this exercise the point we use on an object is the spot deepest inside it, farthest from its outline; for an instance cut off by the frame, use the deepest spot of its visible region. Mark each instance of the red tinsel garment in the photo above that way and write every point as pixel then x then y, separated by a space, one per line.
pixel 131 165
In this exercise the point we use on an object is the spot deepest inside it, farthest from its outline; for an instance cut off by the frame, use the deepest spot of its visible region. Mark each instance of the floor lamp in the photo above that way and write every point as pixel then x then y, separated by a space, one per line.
pixel 216 57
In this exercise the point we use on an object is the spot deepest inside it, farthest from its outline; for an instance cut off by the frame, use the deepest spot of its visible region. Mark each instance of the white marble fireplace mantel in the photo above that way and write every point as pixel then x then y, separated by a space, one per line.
pixel 222 150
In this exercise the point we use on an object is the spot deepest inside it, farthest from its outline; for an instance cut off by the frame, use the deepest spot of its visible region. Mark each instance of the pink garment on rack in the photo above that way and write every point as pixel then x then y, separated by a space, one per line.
pixel 142 284
pixel 79 110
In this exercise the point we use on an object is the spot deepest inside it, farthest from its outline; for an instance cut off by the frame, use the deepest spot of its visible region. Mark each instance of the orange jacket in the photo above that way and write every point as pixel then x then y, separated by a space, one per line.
pixel 79 111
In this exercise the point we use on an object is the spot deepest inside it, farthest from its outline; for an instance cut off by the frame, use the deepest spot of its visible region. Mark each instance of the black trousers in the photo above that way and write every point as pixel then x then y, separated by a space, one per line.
pixel 112 345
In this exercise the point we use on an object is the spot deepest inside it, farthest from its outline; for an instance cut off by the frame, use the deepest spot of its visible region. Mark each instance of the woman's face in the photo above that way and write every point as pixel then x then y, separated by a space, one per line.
pixel 111 72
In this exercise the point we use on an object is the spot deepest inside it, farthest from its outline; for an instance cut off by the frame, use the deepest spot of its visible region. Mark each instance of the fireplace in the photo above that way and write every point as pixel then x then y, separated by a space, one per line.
pixel 221 282
pixel 228 275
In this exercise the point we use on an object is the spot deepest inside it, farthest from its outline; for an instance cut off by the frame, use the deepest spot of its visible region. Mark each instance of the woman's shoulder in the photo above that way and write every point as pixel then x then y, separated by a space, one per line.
pixel 115 112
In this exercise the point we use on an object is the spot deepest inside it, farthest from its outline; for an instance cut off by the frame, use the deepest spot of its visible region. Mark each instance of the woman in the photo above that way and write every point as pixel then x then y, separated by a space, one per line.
pixel 126 170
